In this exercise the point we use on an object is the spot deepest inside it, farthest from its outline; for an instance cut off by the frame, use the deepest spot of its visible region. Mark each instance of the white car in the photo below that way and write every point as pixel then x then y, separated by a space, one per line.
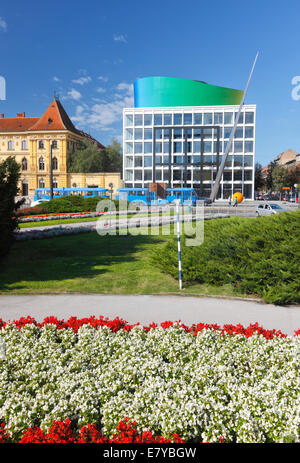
pixel 38 202
pixel 269 209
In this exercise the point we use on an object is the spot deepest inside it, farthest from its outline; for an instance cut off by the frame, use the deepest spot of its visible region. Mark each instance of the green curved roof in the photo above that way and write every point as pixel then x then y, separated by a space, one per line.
pixel 170 91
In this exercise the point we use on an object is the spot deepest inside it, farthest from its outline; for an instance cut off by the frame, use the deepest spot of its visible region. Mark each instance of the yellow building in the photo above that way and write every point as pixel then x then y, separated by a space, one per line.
pixel 28 139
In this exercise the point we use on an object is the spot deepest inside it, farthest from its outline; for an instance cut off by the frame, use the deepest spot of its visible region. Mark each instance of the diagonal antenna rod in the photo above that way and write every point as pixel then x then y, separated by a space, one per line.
pixel 222 165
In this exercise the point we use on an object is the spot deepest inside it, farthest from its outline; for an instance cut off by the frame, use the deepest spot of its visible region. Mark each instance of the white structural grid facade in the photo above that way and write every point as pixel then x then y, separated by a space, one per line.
pixel 183 146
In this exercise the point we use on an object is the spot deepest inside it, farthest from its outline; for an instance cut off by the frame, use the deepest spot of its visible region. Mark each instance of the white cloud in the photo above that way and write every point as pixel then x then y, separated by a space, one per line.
pixel 82 80
pixel 104 79
pixel 123 86
pixel 103 115
pixel 120 38
pixel 3 25
pixel 73 95
pixel 100 90
pixel 56 79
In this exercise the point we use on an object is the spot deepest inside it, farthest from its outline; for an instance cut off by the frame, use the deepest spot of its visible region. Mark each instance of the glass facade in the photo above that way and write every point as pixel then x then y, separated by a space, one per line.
pixel 196 152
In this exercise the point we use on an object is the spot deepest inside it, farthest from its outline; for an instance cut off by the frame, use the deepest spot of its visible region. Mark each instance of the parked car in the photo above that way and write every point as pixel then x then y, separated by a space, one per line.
pixel 38 202
pixel 269 209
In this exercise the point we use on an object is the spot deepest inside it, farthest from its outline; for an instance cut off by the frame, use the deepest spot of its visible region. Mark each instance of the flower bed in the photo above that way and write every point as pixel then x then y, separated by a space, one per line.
pixel 43 217
pixel 199 382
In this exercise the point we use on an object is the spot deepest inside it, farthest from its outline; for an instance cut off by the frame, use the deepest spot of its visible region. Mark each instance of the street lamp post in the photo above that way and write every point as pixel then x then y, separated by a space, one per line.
pixel 51 172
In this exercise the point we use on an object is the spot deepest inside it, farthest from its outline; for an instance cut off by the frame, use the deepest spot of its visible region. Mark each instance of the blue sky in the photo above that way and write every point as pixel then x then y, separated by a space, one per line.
pixel 91 52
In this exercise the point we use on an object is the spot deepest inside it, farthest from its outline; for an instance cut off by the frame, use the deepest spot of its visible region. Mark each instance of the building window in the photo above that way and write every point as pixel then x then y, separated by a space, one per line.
pixel 249 117
pixel 54 144
pixel 24 145
pixel 218 118
pixel 148 147
pixel 138 148
pixel 148 161
pixel 228 118
pixel 248 146
pixel 147 119
pixel 128 148
pixel 138 119
pixel 24 164
pixel 208 118
pixel 157 119
pixel 248 161
pixel 138 162
pixel 197 119
pixel 25 188
pixel 187 119
pixel 241 118
pixel 238 146
pixel 168 119
pixel 54 164
pixel 138 134
pixel 129 120
pixel 55 183
pixel 10 145
pixel 207 146
pixel 129 134
pixel 248 132
pixel 239 132
pixel 177 119
pixel 41 183
pixel 74 185
pixel 41 164
pixel 128 161
pixel 41 145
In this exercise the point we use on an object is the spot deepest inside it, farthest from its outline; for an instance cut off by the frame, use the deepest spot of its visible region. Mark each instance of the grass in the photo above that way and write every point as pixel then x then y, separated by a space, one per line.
pixel 89 263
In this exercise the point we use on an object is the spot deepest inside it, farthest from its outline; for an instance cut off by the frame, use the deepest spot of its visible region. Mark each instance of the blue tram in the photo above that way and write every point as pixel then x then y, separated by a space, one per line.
pixel 187 196
pixel 44 193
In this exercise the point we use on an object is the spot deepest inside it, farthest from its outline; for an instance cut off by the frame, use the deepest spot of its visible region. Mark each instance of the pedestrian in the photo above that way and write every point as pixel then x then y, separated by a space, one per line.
pixel 235 203
pixel 229 200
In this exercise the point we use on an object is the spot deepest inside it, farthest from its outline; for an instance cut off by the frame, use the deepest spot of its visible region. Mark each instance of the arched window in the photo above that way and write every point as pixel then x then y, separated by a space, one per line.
pixel 42 163
pixel 54 164
pixel 41 183
pixel 24 164
pixel 55 183
pixel 41 145
pixel 25 188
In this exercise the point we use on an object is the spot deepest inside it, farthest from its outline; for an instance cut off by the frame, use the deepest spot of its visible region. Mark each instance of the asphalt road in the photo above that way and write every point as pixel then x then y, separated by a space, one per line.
pixel 148 309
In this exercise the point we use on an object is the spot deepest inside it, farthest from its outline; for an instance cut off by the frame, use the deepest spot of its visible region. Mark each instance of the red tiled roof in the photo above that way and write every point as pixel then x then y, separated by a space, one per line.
pixel 17 124
pixel 55 118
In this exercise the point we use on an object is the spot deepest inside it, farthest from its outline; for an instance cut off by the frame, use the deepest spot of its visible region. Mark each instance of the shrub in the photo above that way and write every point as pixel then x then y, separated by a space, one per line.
pixel 257 256
pixel 9 177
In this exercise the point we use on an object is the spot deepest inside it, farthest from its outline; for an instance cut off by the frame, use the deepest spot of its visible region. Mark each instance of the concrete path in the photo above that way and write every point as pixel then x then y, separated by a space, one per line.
pixel 147 309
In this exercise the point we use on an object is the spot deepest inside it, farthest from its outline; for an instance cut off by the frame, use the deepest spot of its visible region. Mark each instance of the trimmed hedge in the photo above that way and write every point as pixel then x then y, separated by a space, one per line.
pixel 257 256
pixel 72 203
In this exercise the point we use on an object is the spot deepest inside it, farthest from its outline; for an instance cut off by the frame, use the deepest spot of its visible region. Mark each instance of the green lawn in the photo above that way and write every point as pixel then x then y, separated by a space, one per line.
pixel 89 263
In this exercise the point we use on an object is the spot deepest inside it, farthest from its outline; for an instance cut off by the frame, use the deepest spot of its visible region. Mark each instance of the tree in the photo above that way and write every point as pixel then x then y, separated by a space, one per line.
pixel 279 178
pixel 9 178
pixel 259 181
pixel 89 159
pixel 269 178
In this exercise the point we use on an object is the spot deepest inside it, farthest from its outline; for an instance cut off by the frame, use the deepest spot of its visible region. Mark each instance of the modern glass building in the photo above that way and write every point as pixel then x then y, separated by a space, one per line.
pixel 177 133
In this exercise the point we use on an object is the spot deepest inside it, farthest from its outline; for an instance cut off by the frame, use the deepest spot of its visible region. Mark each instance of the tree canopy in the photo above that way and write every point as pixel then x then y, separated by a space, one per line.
pixel 89 159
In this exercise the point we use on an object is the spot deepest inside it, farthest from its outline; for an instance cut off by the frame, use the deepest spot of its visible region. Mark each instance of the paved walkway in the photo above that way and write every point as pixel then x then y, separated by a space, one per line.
pixel 147 309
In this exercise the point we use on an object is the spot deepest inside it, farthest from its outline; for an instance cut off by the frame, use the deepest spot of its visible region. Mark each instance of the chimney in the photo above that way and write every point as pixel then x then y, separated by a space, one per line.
pixel 20 114
pixel 2 116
